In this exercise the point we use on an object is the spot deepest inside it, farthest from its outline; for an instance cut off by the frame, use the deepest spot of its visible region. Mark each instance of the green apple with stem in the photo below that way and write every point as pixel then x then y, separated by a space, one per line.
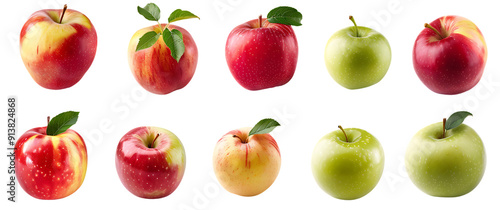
pixel 446 159
pixel 348 163
pixel 357 57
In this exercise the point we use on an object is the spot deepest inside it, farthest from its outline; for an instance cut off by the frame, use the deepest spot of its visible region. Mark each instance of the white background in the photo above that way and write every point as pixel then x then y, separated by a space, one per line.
pixel 111 102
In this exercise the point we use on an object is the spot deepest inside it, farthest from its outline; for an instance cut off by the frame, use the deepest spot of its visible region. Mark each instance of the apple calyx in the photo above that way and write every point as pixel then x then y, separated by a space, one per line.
pixel 454 121
pixel 60 123
pixel 343 131
pixel 435 31
pixel 152 145
pixel 356 31
pixel 172 38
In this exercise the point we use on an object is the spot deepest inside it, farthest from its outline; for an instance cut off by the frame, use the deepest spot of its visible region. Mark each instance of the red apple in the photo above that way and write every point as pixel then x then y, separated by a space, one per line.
pixel 155 69
pixel 150 162
pixel 449 55
pixel 246 164
pixel 58 47
pixel 50 166
pixel 261 54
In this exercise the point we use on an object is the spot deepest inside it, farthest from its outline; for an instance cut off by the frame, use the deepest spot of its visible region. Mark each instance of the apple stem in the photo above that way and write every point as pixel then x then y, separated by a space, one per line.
pixel 48 120
pixel 346 139
pixel 62 15
pixel 444 128
pixel 153 143
pixel 434 29
pixel 244 141
pixel 260 21
pixel 355 25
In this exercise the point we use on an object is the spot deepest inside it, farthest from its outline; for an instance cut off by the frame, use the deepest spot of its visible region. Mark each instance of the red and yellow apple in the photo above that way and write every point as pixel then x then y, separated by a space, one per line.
pixel 246 165
pixel 50 167
pixel 449 55
pixel 150 162
pixel 57 47
pixel 155 69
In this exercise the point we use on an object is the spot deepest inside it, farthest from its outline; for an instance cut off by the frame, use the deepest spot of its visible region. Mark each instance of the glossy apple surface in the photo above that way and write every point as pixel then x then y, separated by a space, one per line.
pixel 348 170
pixel 262 57
pixel 446 167
pixel 150 162
pixel 57 55
pixel 246 166
pixel 452 60
pixel 155 69
pixel 50 167
pixel 357 61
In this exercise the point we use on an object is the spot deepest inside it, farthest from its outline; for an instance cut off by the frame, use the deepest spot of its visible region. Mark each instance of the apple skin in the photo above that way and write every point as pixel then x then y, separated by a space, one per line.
pixel 348 170
pixel 357 62
pixel 150 172
pixel 50 167
pixel 155 69
pixel 261 58
pixel 447 167
pixel 246 169
pixel 57 55
pixel 454 64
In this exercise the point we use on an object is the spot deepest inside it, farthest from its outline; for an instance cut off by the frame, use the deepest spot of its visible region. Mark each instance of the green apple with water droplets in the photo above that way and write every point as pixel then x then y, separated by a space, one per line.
pixel 446 159
pixel 348 163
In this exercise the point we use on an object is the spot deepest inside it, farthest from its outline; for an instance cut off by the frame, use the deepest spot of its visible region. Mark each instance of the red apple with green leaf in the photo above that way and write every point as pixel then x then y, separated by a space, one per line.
pixel 263 53
pixel 246 161
pixel 150 162
pixel 163 57
pixel 57 47
pixel 51 161
pixel 449 55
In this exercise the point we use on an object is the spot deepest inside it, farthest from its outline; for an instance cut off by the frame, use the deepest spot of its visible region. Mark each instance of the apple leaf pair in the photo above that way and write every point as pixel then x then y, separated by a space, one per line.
pixel 172 38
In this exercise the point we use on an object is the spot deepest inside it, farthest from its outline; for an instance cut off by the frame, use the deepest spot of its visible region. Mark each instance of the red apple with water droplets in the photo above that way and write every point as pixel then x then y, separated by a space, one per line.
pixel 262 54
pixel 150 162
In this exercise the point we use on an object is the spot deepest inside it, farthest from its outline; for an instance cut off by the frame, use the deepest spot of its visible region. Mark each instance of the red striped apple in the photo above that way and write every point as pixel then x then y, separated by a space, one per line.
pixel 163 57
pixel 51 165
pixel 57 47
pixel 263 53
pixel 150 162
pixel 246 162
pixel 449 55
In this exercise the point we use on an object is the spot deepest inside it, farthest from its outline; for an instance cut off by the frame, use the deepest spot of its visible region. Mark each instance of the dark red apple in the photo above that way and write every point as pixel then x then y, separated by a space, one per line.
pixel 449 55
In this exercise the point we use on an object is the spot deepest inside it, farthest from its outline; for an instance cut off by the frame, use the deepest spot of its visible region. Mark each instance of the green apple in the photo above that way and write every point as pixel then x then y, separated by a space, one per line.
pixel 347 164
pixel 446 164
pixel 357 57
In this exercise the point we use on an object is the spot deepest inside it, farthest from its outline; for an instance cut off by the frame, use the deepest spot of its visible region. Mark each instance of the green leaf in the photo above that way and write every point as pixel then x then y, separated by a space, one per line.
pixel 60 123
pixel 264 126
pixel 285 15
pixel 174 42
pixel 456 119
pixel 179 14
pixel 150 12
pixel 147 40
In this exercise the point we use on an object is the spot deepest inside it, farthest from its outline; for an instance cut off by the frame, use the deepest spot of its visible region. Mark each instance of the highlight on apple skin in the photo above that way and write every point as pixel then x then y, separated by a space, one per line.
pixel 449 55
pixel 150 162
pixel 57 47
